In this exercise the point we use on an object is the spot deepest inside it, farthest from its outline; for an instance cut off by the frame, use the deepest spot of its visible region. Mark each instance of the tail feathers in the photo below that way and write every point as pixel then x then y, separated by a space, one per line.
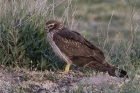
pixel 113 71
pixel 108 68
pixel 121 73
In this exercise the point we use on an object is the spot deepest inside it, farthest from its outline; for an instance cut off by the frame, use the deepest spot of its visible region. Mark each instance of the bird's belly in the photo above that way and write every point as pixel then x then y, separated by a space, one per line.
pixel 56 49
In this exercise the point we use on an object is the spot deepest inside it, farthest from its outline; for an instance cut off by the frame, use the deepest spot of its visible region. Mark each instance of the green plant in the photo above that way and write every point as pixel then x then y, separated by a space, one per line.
pixel 22 35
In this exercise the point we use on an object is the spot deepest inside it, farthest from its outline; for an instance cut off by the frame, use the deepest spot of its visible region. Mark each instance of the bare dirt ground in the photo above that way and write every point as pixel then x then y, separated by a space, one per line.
pixel 17 81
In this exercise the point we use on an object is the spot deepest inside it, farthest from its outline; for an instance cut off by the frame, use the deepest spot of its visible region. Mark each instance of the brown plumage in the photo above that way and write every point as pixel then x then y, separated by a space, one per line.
pixel 74 49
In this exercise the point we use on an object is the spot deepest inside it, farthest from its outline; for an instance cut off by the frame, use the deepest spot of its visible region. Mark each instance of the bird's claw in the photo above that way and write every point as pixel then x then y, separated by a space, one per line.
pixel 63 72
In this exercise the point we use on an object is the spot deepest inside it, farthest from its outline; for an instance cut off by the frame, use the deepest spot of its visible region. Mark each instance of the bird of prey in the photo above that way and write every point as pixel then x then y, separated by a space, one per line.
pixel 74 49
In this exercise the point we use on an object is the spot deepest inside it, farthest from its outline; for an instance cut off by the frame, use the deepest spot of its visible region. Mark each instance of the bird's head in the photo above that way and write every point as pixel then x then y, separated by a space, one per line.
pixel 53 25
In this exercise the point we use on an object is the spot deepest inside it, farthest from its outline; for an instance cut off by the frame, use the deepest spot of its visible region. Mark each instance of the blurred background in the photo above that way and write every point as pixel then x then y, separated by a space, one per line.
pixel 99 19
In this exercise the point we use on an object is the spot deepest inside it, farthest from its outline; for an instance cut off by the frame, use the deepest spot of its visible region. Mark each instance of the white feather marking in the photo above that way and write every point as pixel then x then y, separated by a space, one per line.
pixel 56 49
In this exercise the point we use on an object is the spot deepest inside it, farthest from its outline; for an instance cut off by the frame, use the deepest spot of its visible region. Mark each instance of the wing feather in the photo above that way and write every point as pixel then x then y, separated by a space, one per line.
pixel 73 45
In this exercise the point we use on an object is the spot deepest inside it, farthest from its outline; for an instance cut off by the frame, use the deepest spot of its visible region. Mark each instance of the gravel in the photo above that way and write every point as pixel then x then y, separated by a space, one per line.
pixel 53 82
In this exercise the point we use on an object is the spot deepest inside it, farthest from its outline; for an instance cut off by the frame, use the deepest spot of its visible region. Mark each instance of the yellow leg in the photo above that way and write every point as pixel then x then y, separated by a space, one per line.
pixel 66 69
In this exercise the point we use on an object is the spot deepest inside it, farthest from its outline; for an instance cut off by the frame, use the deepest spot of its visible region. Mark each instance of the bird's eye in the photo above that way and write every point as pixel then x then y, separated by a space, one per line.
pixel 51 26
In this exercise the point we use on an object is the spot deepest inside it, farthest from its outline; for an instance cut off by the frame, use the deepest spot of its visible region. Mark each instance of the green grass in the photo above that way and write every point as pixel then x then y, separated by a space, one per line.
pixel 23 38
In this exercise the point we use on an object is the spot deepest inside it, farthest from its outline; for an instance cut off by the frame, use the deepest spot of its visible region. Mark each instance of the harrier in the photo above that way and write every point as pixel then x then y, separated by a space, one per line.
pixel 74 49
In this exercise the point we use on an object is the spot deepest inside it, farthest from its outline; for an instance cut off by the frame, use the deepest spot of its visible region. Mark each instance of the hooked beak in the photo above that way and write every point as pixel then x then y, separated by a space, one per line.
pixel 46 28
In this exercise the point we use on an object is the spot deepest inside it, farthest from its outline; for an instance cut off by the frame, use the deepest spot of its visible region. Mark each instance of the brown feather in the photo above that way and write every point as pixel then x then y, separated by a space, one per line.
pixel 85 48
pixel 73 48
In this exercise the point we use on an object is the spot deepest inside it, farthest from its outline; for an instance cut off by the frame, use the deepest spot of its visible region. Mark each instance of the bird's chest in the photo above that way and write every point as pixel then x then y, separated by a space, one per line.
pixel 52 43
pixel 55 47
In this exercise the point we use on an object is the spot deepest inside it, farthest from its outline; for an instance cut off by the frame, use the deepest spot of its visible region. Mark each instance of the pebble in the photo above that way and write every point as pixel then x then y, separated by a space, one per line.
pixel 53 82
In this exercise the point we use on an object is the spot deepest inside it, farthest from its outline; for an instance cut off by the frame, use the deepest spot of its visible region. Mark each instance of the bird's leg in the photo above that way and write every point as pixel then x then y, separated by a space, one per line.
pixel 66 69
